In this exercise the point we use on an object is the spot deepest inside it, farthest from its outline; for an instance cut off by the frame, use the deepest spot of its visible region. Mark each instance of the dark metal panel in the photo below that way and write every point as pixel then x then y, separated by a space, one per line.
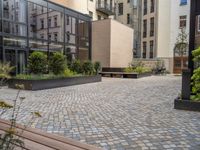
pixel 39 2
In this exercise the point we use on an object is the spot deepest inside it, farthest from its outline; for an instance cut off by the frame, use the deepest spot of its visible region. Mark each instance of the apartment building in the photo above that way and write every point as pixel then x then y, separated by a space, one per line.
pixel 162 21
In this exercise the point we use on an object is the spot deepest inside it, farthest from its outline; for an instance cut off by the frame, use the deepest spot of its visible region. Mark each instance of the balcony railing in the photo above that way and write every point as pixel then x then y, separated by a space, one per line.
pixel 105 8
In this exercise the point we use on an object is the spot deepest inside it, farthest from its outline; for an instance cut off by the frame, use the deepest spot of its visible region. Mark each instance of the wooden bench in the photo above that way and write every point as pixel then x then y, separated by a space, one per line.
pixel 35 139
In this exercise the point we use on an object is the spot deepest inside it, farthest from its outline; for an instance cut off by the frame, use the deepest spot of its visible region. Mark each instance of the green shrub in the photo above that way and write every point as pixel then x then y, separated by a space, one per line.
pixel 88 67
pixel 137 63
pixel 129 69
pixel 97 67
pixel 76 66
pixel 69 73
pixel 5 70
pixel 57 63
pixel 37 63
pixel 196 76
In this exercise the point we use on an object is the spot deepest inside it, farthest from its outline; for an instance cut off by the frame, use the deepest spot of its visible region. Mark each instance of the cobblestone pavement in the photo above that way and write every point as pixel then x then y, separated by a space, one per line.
pixel 118 114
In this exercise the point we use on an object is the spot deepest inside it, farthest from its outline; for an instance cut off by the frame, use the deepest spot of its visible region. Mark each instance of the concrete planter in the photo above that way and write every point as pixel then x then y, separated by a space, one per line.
pixel 53 83
pixel 136 75
pixel 186 105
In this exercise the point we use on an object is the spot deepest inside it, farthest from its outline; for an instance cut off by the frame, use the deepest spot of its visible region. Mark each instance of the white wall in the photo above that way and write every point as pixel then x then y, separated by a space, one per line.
pixel 176 12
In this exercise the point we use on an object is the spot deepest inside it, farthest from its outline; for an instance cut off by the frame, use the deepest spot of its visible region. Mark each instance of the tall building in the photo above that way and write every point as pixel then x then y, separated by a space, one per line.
pixel 162 21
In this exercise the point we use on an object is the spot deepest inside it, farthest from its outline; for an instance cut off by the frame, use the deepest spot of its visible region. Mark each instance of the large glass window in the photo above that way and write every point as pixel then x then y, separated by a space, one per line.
pixel 14 42
pixel 15 10
pixel 14 28
pixel 38 24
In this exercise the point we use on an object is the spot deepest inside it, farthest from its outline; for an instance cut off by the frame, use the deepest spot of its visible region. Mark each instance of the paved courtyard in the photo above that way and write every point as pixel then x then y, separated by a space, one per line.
pixel 117 114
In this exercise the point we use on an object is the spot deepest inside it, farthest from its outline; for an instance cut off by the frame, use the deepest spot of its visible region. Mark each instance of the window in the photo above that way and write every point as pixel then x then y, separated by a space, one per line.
pixel 56 37
pixel 120 9
pixel 99 17
pixel 183 21
pixel 55 21
pixel 151 49
pixel 91 14
pixel 67 22
pixel 152 26
pixel 144 50
pixel 198 27
pixel 144 28
pixel 49 37
pixel 42 23
pixel 128 19
pixel 183 2
pixel 152 6
pixel 42 36
pixel 145 7
pixel 49 22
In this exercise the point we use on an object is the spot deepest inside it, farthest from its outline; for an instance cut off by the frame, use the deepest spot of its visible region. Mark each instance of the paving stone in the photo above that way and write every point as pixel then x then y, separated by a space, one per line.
pixel 116 114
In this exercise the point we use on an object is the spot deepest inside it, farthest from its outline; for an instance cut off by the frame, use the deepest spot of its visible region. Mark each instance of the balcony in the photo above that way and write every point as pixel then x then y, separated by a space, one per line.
pixel 104 7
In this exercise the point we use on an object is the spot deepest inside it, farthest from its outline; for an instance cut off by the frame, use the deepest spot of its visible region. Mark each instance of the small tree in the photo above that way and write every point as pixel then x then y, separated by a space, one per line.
pixel 181 46
pixel 57 63
pixel 37 63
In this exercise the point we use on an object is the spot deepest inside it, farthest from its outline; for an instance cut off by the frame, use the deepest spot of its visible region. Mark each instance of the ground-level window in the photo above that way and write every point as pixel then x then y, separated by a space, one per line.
pixel 144 54
pixel 182 21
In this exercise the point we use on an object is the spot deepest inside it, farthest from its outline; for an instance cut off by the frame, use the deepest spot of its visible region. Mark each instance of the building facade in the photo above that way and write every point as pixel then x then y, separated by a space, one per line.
pixel 128 12
pixel 97 9
pixel 38 25
pixel 113 49
pixel 162 22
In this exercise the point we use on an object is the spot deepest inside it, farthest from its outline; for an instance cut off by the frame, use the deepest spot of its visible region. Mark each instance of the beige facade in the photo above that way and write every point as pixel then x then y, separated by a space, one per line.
pixel 111 48
pixel 97 9
pixel 161 25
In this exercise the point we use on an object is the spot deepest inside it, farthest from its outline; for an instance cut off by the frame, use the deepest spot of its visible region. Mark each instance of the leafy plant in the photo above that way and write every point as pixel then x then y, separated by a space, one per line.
pixel 88 67
pixel 136 63
pixel 11 138
pixel 37 63
pixel 137 67
pixel 76 66
pixel 196 76
pixel 97 67
pixel 129 69
pixel 5 70
pixel 69 73
pixel 57 63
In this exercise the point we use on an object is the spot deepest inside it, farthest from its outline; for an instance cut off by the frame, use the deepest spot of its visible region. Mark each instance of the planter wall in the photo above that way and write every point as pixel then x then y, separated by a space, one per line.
pixel 186 105
pixel 136 75
pixel 53 83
